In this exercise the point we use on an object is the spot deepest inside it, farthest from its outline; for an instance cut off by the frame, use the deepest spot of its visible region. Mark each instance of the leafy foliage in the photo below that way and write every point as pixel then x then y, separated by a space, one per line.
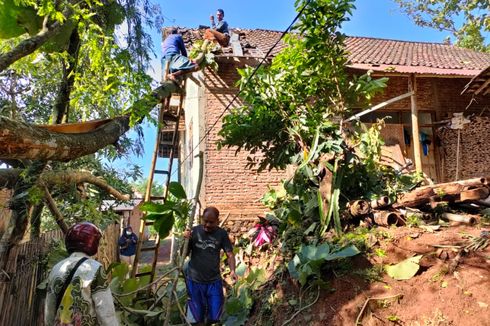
pixel 466 20
pixel 307 263
pixel 293 113
pixel 240 301
pixel 83 72
pixel 171 214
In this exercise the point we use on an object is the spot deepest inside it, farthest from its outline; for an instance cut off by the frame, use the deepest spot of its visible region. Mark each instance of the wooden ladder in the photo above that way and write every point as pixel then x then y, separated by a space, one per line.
pixel 166 146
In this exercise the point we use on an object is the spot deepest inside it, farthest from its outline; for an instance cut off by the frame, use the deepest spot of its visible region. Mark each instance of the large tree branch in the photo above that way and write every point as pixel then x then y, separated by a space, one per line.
pixel 74 177
pixel 31 44
pixel 8 178
pixel 19 140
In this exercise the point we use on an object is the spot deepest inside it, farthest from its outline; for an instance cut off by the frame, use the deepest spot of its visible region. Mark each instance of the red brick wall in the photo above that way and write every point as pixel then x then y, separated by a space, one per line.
pixel 236 190
pixel 228 185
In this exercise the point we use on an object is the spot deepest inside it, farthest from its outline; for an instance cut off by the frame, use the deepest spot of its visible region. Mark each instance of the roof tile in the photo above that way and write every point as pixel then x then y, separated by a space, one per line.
pixel 378 54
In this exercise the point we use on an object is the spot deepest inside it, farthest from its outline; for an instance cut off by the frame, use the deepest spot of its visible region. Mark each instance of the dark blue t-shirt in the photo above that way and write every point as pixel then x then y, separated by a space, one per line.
pixel 127 244
pixel 174 44
pixel 205 254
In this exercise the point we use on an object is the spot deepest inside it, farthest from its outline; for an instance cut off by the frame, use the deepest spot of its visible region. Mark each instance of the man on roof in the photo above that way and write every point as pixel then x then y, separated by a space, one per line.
pixel 219 31
pixel 174 52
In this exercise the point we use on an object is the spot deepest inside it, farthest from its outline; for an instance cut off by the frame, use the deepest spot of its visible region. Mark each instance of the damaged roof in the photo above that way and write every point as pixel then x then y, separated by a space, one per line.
pixel 479 85
pixel 367 53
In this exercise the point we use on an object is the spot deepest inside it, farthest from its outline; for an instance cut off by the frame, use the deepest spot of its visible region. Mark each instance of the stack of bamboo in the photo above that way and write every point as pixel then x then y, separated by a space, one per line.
pixel 461 193
pixel 474 153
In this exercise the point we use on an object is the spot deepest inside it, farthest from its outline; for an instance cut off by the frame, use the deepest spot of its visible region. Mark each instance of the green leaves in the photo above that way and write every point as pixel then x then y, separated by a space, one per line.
pixel 171 214
pixel 309 260
pixel 177 190
pixel 467 20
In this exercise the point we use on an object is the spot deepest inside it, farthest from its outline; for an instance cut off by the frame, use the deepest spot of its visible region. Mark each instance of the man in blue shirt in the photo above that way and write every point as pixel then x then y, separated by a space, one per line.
pixel 219 31
pixel 174 52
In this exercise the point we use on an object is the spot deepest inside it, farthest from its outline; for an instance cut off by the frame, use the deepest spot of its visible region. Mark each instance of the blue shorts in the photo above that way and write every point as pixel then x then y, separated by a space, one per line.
pixel 178 62
pixel 206 300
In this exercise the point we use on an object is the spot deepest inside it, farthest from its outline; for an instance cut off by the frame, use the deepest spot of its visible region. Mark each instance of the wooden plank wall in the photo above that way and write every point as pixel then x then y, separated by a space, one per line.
pixel 21 303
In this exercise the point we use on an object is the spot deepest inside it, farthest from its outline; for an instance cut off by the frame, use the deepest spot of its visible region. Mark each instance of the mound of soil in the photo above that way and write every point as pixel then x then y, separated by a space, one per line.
pixel 443 292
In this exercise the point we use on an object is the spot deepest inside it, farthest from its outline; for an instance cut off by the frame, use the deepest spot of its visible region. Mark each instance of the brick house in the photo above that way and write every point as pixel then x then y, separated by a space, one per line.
pixel 437 72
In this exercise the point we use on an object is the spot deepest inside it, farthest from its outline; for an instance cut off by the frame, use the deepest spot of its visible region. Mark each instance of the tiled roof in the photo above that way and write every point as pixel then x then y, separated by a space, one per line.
pixel 377 54
pixel 416 57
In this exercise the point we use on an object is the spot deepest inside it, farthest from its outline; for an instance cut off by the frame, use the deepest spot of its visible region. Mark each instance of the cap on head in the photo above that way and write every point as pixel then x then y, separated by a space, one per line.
pixel 83 237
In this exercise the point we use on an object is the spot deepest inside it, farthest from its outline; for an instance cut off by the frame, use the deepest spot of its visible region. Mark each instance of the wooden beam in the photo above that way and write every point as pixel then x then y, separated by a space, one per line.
pixel 380 105
pixel 412 87
pixel 482 87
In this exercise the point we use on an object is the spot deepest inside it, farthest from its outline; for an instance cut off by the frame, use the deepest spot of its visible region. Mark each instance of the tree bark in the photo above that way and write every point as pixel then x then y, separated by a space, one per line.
pixel 30 45
pixel 35 218
pixel 19 205
pixel 58 217
pixel 62 105
pixel 443 192
pixel 19 140
pixel 8 177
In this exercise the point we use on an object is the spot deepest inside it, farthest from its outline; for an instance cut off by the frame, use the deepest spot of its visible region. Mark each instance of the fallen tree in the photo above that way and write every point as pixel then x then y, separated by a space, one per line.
pixel 20 140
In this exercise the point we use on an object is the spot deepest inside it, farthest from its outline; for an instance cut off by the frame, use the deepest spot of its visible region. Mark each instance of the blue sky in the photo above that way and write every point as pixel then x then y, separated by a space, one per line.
pixel 372 18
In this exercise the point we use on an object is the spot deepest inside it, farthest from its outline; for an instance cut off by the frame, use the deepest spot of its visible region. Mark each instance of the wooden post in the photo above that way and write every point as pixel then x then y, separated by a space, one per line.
pixel 412 86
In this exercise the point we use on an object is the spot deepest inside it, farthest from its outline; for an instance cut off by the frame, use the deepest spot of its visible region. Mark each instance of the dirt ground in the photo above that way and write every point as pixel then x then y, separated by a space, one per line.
pixel 434 296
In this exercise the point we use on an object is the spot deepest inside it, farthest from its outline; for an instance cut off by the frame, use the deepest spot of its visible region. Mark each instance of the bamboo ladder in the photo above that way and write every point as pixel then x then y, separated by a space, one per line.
pixel 169 116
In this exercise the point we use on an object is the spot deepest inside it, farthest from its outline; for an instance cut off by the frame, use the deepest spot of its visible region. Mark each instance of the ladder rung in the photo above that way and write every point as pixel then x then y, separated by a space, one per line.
pixel 157 198
pixel 161 172
pixel 144 273
pixel 148 248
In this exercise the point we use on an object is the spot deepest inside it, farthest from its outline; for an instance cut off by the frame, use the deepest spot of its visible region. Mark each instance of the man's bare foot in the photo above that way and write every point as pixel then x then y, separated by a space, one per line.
pixel 172 77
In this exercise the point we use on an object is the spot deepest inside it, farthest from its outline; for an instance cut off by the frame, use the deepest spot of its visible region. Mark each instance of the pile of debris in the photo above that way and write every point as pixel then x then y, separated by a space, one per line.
pixel 428 203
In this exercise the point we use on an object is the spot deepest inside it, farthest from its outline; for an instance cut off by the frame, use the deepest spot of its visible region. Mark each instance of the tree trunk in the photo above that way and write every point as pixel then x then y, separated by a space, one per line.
pixel 450 191
pixel 35 218
pixel 61 107
pixel 19 140
pixel 19 205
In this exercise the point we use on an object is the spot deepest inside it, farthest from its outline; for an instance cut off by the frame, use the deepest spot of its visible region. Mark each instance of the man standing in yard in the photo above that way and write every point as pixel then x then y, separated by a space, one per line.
pixel 78 292
pixel 219 31
pixel 175 54
pixel 203 276
pixel 127 245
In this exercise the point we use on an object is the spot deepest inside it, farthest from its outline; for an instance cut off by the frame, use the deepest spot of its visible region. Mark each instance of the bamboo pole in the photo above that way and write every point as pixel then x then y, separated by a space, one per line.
pixel 412 87
pixel 380 105
pixel 190 220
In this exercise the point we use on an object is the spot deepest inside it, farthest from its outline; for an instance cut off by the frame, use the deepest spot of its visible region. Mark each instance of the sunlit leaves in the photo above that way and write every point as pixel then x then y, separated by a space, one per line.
pixel 466 20
pixel 302 92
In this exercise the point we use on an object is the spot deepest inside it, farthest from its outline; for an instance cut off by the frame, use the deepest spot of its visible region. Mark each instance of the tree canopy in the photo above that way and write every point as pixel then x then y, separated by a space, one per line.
pixel 468 21
pixel 69 62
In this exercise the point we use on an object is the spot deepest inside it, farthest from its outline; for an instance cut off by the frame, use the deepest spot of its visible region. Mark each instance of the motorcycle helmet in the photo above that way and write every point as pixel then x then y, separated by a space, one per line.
pixel 83 237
